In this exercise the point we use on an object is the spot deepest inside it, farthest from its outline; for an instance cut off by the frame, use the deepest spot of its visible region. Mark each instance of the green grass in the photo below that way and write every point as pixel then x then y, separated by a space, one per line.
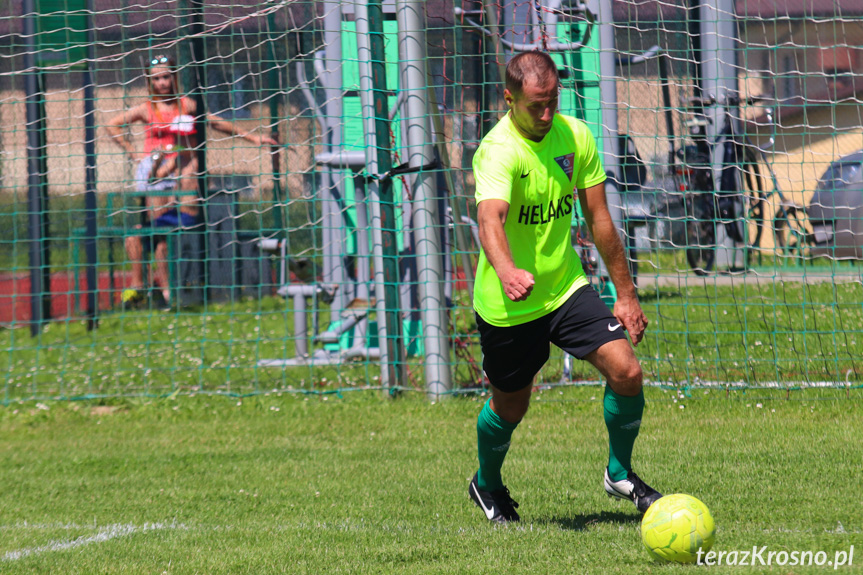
pixel 364 484
pixel 150 352
pixel 764 261
pixel 785 334
pixel 755 334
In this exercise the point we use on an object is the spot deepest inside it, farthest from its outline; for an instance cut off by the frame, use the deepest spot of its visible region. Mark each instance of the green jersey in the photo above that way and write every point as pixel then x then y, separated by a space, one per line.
pixel 537 180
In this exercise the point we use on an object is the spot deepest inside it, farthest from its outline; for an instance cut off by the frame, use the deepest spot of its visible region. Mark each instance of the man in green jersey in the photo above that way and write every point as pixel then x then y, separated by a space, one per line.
pixel 530 287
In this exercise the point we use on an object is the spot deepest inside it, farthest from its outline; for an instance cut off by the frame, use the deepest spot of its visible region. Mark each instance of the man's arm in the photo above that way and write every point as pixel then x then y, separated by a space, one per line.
pixel 231 129
pixel 227 127
pixel 627 310
pixel 117 124
pixel 517 283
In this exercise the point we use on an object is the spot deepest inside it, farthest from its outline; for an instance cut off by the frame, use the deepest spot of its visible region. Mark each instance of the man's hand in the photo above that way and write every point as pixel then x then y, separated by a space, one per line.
pixel 491 216
pixel 261 140
pixel 517 284
pixel 628 312
pixel 166 170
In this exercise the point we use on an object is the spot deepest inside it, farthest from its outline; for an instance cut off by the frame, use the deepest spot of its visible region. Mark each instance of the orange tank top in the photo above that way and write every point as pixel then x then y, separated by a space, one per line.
pixel 164 130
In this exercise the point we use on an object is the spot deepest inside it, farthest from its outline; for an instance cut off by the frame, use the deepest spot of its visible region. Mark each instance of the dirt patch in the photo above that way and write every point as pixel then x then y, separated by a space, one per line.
pixel 104 410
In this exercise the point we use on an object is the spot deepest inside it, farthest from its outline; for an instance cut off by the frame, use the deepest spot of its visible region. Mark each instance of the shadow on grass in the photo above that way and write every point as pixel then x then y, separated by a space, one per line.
pixel 583 522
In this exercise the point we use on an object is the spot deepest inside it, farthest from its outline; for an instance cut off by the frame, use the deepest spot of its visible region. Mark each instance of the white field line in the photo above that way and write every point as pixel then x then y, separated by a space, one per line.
pixel 114 531
pixel 104 534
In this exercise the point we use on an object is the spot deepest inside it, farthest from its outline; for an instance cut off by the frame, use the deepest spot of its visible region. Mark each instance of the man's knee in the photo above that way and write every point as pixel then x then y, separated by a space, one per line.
pixel 511 407
pixel 162 250
pixel 628 378
pixel 133 244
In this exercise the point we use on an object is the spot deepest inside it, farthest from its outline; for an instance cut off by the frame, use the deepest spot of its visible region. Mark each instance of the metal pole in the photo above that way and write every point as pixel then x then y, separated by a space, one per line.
pixel 392 317
pixel 718 78
pixel 332 200
pixel 274 94
pixel 608 132
pixel 491 108
pixel 462 243
pixel 192 249
pixel 716 57
pixel 494 25
pixel 517 25
pixel 373 191
pixel 412 61
pixel 90 176
pixel 666 103
pixel 196 28
pixel 301 333
pixel 694 55
pixel 37 200
pixel 363 271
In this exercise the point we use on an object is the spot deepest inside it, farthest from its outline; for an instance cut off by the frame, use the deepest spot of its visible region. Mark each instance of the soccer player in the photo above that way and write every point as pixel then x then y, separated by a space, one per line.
pixel 530 287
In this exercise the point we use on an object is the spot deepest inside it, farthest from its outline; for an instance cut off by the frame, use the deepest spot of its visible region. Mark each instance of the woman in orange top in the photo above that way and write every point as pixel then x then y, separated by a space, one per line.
pixel 168 162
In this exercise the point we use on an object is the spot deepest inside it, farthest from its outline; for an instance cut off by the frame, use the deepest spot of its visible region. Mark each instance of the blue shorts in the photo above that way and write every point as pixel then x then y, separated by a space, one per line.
pixel 171 221
pixel 176 219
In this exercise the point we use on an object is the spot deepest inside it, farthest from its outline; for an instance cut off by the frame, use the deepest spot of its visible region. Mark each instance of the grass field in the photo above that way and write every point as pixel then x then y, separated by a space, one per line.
pixel 365 484
pixel 786 334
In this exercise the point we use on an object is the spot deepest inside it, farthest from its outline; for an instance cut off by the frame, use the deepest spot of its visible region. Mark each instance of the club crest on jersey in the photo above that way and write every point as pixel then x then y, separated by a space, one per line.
pixel 566 163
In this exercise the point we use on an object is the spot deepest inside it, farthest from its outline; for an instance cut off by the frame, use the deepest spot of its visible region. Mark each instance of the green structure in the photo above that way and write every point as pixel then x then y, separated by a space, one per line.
pixel 315 273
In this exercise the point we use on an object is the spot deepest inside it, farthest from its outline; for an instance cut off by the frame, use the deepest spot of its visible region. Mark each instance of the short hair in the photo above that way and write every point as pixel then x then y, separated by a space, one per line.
pixel 535 65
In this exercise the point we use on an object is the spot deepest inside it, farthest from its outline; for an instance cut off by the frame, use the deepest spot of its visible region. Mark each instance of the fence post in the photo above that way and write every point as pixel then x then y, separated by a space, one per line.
pixel 412 61
pixel 37 178
pixel 90 176
pixel 369 16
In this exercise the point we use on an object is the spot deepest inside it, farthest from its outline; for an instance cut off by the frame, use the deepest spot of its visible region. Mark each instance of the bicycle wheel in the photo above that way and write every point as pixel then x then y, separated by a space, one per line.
pixel 730 197
pixel 789 231
pixel 700 233
pixel 756 201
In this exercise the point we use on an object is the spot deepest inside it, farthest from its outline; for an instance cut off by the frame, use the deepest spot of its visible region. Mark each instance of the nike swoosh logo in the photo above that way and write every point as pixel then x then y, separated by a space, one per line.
pixel 523 176
pixel 613 328
pixel 489 513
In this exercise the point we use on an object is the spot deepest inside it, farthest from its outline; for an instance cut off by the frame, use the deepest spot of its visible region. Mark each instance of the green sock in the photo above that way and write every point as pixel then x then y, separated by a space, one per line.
pixel 493 435
pixel 623 419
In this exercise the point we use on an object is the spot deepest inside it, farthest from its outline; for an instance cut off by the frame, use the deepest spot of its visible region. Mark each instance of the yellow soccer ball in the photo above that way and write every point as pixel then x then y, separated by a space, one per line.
pixel 676 527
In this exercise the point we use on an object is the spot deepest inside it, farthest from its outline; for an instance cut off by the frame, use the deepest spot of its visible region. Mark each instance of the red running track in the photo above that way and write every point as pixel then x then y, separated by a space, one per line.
pixel 15 296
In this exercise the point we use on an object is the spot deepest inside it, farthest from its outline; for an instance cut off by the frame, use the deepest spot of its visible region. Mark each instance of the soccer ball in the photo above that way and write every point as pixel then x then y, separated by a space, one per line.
pixel 675 527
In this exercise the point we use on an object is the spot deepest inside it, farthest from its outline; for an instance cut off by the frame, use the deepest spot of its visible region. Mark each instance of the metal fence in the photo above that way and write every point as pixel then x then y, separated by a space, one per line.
pixel 343 258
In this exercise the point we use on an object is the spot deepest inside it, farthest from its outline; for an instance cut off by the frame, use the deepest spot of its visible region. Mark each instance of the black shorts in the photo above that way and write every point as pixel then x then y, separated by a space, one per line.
pixel 512 356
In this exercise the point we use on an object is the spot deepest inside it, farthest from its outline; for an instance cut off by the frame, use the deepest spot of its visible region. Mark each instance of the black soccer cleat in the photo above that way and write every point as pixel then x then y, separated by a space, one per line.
pixel 632 488
pixel 498 506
